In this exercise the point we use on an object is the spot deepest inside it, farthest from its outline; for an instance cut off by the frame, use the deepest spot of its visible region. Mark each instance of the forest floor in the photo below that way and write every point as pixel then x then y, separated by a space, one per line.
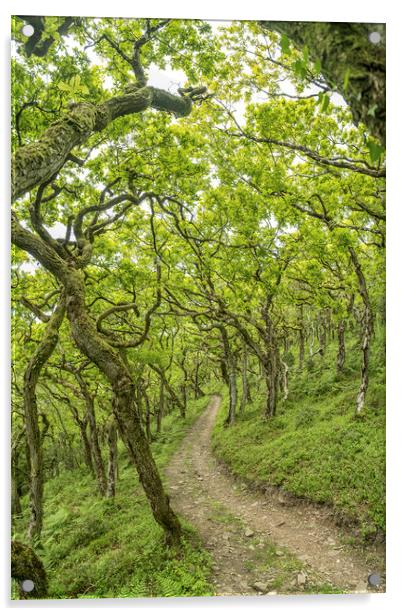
pixel 262 543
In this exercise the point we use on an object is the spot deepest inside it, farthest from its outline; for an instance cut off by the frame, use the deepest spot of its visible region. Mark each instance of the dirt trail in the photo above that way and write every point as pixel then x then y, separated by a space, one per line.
pixel 259 543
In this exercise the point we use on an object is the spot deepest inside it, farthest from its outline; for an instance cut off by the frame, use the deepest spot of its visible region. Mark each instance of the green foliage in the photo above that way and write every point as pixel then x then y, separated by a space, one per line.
pixel 112 547
pixel 375 149
pixel 74 88
pixel 315 447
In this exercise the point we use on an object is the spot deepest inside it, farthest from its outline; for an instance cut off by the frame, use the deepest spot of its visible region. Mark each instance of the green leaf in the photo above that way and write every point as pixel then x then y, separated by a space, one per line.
pixel 325 102
pixel 317 66
pixel 284 43
pixel 75 82
pixel 375 150
pixel 64 87
pixel 300 69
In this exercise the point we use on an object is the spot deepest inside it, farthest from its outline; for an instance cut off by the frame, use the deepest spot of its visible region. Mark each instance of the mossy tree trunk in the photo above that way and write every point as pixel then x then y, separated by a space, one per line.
pixel 96 453
pixel 15 483
pixel 284 380
pixel 367 332
pixel 26 566
pixel 161 406
pixel 112 464
pixel 39 358
pixel 245 396
pixel 82 425
pixel 230 363
pixel 96 347
pixel 341 356
pixel 301 343
pixel 36 163
pixel 271 360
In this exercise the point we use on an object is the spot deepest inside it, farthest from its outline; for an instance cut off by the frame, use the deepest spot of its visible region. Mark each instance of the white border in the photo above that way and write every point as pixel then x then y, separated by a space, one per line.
pixel 308 10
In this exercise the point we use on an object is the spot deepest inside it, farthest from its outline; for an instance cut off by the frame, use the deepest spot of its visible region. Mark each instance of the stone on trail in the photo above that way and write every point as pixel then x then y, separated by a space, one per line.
pixel 248 532
pixel 301 578
pixel 279 553
pixel 260 586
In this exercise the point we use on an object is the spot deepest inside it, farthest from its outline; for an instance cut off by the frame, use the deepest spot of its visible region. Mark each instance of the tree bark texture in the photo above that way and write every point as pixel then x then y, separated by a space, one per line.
pixel 230 363
pixel 39 358
pixel 161 406
pixel 112 464
pixel 301 337
pixel 340 360
pixel 95 347
pixel 367 332
pixel 38 162
pixel 94 437
pixel 25 565
pixel 245 396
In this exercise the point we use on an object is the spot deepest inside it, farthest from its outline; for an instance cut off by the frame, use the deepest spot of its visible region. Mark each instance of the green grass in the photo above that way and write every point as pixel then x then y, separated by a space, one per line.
pixel 315 447
pixel 94 547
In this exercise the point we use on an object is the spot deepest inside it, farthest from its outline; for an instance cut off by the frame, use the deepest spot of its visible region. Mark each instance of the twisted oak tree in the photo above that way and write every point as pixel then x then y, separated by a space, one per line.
pixel 37 164
pixel 97 348
pixel 39 358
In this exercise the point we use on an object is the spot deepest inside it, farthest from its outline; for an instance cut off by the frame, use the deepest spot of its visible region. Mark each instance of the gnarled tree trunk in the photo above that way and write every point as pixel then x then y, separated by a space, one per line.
pixel 230 363
pixel 36 163
pixel 93 432
pixel 96 347
pixel 245 395
pixel 367 332
pixel 25 565
pixel 39 358
pixel 340 360
pixel 112 464
pixel 301 338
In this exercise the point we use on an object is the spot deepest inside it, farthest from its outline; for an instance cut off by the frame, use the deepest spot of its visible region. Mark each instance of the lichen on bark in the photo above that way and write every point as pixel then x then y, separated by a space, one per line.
pixel 37 162
pixel 25 565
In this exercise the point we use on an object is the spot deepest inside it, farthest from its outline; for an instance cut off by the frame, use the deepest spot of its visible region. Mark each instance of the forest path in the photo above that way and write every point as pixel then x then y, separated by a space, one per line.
pixel 259 543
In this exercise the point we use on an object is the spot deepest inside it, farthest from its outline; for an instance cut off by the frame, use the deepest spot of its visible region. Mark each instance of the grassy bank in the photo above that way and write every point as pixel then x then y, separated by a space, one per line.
pixel 94 547
pixel 315 447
